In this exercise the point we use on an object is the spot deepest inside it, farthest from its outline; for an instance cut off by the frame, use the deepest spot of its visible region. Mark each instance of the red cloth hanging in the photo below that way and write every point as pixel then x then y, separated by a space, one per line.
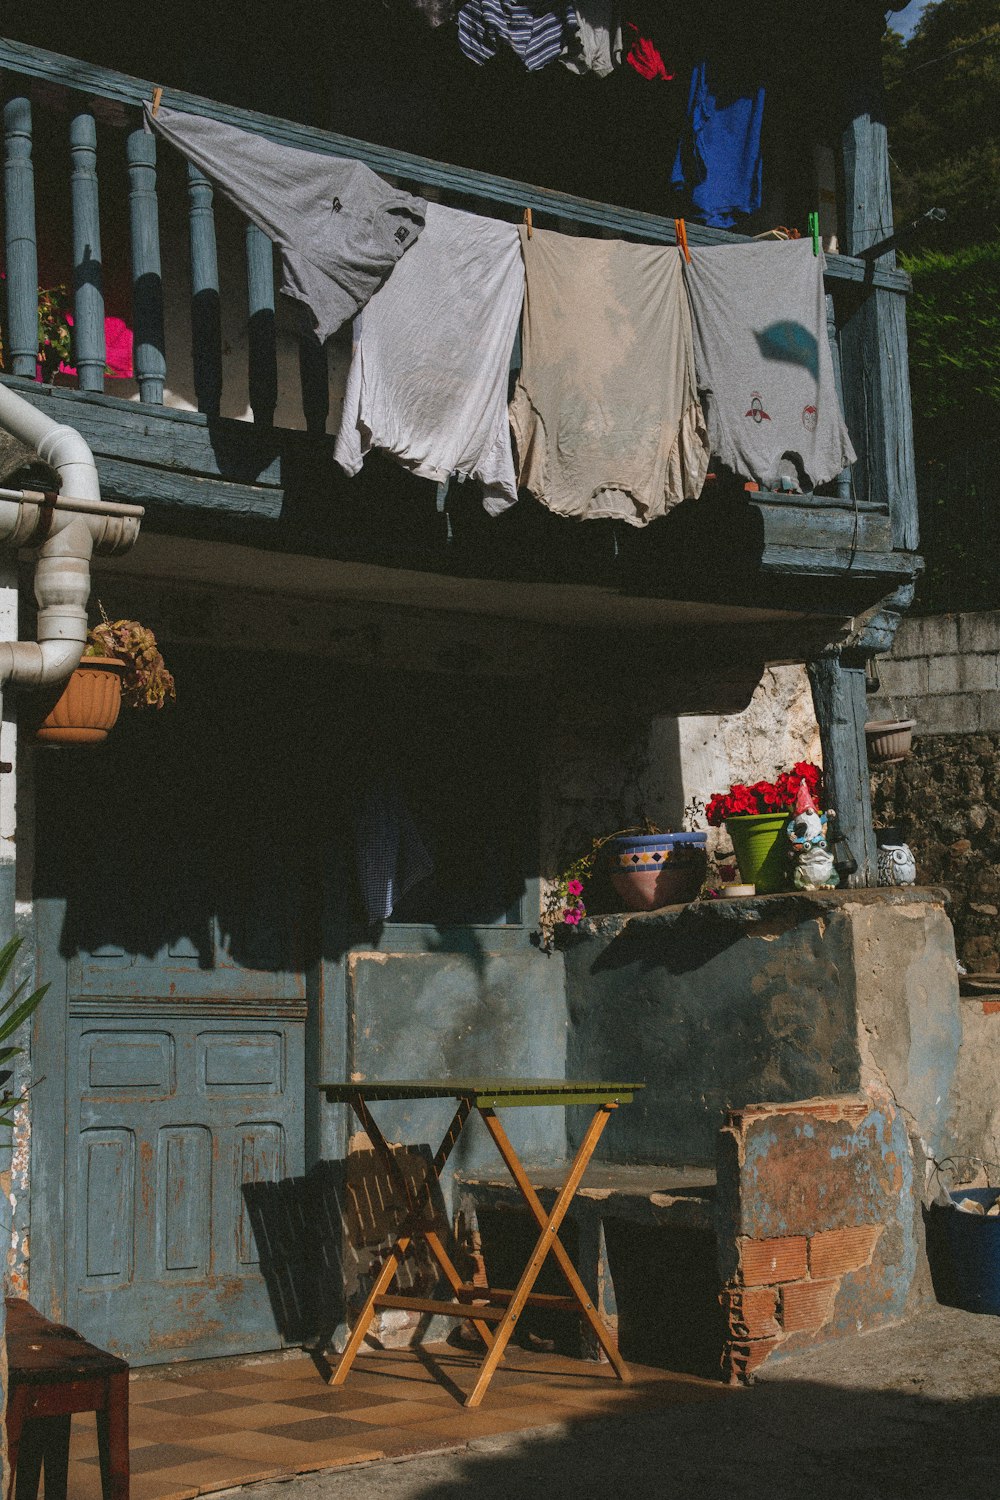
pixel 644 56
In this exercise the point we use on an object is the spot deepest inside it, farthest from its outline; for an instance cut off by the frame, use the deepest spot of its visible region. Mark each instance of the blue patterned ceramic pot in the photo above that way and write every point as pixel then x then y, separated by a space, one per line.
pixel 649 870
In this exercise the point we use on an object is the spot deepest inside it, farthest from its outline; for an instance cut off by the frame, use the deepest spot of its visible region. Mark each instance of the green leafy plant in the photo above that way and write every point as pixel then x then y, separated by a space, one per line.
pixel 147 683
pixel 55 339
pixel 13 1013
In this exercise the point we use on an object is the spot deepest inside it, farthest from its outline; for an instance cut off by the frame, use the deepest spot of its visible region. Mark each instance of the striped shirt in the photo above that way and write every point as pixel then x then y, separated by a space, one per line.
pixel 537 30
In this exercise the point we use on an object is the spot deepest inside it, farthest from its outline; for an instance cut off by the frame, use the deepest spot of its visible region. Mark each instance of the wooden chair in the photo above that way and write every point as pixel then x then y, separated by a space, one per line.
pixel 54 1372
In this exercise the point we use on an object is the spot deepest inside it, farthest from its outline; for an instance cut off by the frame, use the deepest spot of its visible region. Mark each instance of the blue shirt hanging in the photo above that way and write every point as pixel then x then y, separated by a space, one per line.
pixel 718 158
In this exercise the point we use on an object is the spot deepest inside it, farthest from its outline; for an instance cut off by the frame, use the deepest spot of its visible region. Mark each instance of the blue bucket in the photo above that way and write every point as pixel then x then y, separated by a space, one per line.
pixel 974 1249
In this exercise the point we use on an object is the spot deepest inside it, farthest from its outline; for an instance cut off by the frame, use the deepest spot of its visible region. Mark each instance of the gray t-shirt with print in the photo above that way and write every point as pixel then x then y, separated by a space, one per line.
pixel 762 354
pixel 339 227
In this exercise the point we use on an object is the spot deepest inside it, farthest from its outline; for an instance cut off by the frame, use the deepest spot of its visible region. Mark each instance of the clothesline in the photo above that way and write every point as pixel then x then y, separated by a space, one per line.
pixel 636 363
pixel 718 160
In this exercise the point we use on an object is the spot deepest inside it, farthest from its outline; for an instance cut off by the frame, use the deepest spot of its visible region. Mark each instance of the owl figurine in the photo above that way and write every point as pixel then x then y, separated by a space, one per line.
pixel 812 862
pixel 896 865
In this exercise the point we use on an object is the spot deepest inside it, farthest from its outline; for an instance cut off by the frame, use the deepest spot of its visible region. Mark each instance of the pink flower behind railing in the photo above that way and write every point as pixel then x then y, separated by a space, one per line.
pixel 117 349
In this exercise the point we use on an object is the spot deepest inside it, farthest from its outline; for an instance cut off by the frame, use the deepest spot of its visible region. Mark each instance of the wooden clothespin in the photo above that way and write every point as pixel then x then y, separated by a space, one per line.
pixel 814 231
pixel 157 96
pixel 527 220
pixel 680 230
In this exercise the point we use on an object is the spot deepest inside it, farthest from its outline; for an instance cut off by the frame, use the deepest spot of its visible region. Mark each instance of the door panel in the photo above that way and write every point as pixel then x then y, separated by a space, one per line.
pixel 166 1156
pixel 174 872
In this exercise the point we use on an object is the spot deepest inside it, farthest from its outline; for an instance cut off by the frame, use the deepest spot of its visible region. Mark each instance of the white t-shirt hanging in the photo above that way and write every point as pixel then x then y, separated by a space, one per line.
pixel 428 378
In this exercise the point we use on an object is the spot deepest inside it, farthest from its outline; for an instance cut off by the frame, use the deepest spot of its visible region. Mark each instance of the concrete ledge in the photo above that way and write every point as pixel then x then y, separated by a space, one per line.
pixel 647 1195
pixel 782 905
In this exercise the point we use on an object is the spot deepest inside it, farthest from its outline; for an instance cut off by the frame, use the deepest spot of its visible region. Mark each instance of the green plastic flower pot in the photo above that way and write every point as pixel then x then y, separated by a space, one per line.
pixel 761 849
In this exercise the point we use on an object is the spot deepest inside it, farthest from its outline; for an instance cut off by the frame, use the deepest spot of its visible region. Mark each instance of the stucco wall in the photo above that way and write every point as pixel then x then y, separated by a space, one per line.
pixel 778 999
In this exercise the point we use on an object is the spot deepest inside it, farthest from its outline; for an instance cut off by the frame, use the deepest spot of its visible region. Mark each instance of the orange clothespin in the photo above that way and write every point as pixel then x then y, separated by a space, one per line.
pixel 157 96
pixel 680 230
pixel 527 220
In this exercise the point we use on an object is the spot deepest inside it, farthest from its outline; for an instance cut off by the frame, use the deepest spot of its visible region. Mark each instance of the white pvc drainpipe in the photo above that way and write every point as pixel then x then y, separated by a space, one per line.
pixel 68 529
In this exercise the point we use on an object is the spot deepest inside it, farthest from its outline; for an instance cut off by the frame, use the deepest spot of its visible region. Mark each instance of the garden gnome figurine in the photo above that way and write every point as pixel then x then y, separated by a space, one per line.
pixel 806 833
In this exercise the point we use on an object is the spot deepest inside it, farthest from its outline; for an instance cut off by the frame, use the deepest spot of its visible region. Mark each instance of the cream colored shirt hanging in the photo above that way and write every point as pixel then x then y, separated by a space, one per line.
pixel 605 415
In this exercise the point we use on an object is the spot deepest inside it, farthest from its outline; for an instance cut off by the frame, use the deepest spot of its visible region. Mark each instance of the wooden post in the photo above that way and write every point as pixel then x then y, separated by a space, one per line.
pixel 22 252
pixel 88 292
pixel 873 337
pixel 838 688
pixel 147 281
pixel 206 316
pixel 262 352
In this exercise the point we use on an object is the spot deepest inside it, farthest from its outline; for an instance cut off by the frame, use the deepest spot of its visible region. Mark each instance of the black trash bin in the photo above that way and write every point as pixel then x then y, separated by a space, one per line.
pixel 974 1251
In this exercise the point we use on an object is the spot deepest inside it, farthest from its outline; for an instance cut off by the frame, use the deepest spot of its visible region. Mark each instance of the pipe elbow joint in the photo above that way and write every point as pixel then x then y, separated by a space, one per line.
pixel 33 664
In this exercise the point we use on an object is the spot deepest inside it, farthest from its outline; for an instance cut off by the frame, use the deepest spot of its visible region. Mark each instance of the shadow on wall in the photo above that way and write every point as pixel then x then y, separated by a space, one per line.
pixel 320 1236
pixel 230 840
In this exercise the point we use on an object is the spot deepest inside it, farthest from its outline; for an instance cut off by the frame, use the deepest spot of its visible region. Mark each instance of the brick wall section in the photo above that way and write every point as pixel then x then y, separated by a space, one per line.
pixel 828 1169
pixel 834 1251
pixel 770 1262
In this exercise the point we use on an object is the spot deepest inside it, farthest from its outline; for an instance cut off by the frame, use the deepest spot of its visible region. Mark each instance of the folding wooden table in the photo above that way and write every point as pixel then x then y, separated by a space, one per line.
pixel 482 1306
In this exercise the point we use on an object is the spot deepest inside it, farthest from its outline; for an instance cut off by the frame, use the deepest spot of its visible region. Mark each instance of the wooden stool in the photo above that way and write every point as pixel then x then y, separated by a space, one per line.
pixel 54 1372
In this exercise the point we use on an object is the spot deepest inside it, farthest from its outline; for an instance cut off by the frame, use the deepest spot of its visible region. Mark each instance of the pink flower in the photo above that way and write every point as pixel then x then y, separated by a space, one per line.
pixel 574 887
pixel 572 915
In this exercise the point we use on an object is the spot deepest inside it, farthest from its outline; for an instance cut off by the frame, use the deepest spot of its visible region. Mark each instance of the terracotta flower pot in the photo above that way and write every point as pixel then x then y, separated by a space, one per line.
pixel 889 741
pixel 657 869
pixel 88 704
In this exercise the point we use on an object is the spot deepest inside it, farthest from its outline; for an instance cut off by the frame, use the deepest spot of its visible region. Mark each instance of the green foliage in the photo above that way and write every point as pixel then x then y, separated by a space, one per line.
pixel 954 333
pixel 13 1013
pixel 943 104
pixel 943 98
pixel 54 333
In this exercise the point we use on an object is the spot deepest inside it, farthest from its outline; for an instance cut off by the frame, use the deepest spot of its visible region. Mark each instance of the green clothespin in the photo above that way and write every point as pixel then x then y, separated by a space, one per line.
pixel 814 231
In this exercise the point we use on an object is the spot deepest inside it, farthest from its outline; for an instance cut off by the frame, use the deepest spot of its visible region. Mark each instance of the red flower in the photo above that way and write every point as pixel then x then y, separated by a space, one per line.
pixel 765 796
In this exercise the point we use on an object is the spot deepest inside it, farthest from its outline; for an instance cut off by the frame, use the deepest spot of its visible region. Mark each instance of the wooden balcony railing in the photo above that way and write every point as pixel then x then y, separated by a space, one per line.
pixel 113 95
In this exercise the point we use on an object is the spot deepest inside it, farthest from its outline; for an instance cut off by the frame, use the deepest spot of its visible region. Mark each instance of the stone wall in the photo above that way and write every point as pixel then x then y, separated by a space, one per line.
pixel 944 671
pixel 945 798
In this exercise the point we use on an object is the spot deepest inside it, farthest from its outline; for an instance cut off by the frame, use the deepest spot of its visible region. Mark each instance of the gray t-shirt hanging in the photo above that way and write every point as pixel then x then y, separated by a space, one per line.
pixel 339 227
pixel 762 353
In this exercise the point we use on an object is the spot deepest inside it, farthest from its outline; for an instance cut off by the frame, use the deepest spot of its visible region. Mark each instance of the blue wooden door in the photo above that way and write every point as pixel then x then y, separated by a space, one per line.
pixel 175 867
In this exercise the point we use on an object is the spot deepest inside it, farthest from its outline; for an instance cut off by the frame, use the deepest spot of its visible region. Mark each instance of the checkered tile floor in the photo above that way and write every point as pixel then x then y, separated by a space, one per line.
pixel 209 1425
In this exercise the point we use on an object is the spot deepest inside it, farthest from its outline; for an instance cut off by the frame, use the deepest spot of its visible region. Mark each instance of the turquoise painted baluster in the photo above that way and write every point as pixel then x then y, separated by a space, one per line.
pixel 262 350
pixel 88 293
pixel 206 323
pixel 315 378
pixel 147 283
pixel 22 252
